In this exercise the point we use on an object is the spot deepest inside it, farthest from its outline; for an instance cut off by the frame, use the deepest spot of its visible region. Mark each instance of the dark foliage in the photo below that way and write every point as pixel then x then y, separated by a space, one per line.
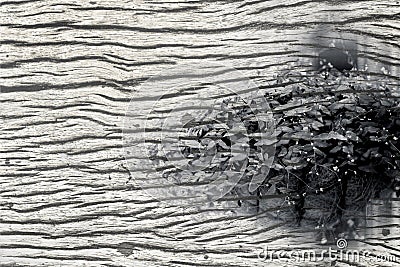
pixel 337 142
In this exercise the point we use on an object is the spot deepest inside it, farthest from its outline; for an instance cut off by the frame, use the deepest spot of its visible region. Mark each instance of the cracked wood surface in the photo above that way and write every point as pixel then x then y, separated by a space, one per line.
pixel 68 72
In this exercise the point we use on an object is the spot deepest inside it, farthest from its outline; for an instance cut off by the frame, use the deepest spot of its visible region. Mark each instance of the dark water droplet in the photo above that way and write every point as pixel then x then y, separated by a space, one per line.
pixel 335 58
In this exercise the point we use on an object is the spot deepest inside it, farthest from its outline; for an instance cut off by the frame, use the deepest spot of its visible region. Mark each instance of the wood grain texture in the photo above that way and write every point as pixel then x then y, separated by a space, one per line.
pixel 68 72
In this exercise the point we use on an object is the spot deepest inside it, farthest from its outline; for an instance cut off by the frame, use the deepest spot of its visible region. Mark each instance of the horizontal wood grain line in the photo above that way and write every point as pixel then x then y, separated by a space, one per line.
pixel 20 43
pixel 7 3
pixel 35 193
pixel 46 86
pixel 281 6
pixel 65 257
pixel 160 10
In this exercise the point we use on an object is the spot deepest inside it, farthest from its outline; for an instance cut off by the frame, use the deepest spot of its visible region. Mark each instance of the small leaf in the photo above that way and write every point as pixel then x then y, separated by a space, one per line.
pixel 330 135
pixel 352 136
pixel 277 166
pixel 283 152
pixel 335 149
pixel 319 152
pixel 316 125
pixel 321 144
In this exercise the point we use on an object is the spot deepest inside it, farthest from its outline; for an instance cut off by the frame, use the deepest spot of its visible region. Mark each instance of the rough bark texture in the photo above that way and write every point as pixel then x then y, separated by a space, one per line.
pixel 68 72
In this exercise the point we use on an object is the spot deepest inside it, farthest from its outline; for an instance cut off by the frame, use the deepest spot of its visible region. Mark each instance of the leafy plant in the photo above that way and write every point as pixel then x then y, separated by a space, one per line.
pixel 337 142
pixel 337 133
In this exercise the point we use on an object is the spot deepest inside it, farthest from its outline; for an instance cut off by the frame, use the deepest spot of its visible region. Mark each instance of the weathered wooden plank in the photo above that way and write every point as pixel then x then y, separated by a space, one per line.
pixel 68 72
